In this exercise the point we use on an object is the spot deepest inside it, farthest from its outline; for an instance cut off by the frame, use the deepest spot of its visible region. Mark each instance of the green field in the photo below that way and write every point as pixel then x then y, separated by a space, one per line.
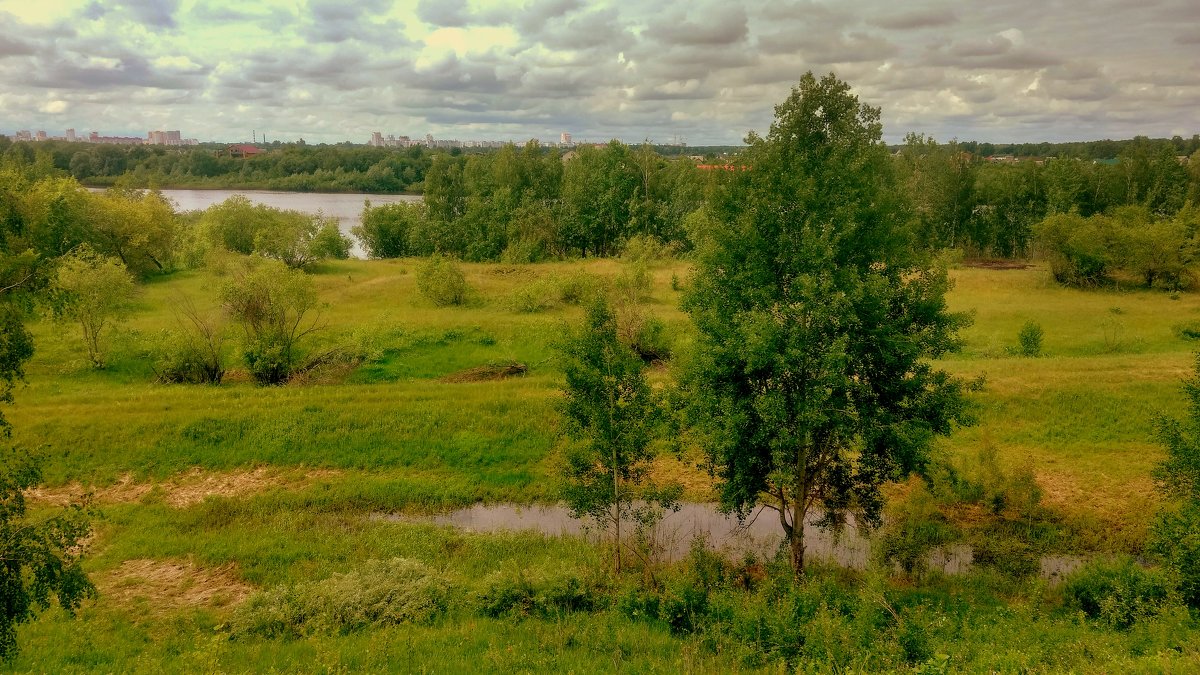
pixel 207 494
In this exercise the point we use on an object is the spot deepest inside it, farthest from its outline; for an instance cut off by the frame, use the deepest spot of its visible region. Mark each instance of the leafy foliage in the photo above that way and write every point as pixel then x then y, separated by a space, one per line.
pixel 816 319
pixel 195 351
pixel 275 307
pixel 378 593
pixel 1119 593
pixel 610 414
pixel 1176 531
pixel 442 281
pixel 1029 339
pixel 93 290
pixel 16 347
pixel 39 559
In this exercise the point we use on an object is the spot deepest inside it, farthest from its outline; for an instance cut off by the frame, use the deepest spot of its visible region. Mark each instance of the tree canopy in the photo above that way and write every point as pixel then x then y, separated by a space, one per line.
pixel 816 318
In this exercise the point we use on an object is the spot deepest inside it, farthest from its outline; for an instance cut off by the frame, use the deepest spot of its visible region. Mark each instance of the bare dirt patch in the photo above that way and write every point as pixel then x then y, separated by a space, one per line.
pixel 164 585
pixel 185 489
pixel 488 372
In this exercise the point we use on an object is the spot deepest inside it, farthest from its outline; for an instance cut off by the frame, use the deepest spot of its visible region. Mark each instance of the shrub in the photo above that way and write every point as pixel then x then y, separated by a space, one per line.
pixel 1188 330
pixel 273 304
pixel 1008 555
pixel 537 296
pixel 1029 340
pixel 522 593
pixel 577 287
pixel 1119 592
pixel 651 341
pixel 193 353
pixel 645 248
pixel 913 528
pixel 1175 537
pixel 442 281
pixel 386 229
pixel 92 290
pixel 380 593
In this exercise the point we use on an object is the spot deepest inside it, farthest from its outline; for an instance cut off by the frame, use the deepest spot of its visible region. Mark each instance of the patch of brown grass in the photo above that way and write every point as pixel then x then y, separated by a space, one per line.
pixel 183 490
pixel 165 585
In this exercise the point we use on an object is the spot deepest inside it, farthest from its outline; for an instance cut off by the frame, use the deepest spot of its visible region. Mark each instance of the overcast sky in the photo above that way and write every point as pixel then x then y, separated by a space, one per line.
pixel 333 70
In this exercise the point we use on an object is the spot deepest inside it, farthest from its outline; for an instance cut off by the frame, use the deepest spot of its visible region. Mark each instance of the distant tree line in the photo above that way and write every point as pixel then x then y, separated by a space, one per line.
pixel 987 208
pixel 292 167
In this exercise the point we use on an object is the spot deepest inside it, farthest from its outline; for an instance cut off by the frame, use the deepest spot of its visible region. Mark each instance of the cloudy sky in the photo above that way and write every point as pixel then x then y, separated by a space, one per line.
pixel 707 72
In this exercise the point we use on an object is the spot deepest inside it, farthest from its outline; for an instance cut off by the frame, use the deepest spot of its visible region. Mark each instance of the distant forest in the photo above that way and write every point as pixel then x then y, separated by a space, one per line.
pixel 357 168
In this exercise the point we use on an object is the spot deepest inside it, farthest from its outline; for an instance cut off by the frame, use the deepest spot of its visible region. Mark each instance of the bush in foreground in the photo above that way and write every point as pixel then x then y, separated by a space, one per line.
pixel 442 281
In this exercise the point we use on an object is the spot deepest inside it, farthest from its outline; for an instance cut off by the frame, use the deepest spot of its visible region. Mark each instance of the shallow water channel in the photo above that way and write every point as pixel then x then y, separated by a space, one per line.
pixel 759 535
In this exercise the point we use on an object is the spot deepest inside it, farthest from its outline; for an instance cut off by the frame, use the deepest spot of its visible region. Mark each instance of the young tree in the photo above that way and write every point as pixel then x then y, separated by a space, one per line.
pixel 93 290
pixel 275 307
pixel 816 318
pixel 609 412
pixel 1176 532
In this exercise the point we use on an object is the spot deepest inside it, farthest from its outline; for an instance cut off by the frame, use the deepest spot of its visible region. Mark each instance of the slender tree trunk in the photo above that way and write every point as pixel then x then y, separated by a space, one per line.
pixel 796 540
pixel 617 506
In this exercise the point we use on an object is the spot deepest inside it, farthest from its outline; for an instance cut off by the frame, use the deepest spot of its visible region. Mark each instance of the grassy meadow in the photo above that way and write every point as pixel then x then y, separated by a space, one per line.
pixel 205 495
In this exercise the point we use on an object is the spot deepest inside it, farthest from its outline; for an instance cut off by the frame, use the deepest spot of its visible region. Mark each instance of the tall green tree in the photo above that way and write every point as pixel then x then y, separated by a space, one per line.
pixel 816 320
pixel 609 410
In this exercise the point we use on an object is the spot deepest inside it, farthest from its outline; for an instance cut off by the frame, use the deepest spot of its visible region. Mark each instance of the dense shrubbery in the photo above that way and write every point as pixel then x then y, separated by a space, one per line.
pixel 296 239
pixel 1130 243
pixel 1120 592
pixel 378 593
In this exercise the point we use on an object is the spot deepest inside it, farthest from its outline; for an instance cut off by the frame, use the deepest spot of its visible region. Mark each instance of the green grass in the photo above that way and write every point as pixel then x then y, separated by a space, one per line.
pixel 395 438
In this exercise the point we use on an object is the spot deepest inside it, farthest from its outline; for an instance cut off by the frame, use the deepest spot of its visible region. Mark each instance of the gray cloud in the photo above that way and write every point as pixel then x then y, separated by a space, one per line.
pixel 722 25
pixel 334 69
pixel 443 12
pixel 913 19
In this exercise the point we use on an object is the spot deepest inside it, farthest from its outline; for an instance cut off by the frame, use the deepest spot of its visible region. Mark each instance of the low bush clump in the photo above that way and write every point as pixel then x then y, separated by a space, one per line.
pixel 442 281
pixel 538 296
pixel 523 593
pixel 1029 340
pixel 1120 592
pixel 380 593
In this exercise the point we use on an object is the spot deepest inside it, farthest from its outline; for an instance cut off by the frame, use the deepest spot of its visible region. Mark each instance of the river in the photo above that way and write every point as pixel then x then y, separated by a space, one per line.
pixel 346 207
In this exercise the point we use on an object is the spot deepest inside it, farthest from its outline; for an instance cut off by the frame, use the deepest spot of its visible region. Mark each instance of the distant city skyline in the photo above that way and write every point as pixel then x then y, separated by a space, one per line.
pixel 704 71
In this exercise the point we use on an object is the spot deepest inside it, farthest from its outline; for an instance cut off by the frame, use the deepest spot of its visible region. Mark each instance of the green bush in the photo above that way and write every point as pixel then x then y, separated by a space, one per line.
pixel 380 593
pixel 441 281
pixel 178 359
pixel 1188 330
pixel 1030 339
pixel 524 593
pixel 645 248
pixel 1009 555
pixel 651 341
pixel 537 296
pixel 192 353
pixel 1175 537
pixel 1119 592
pixel 577 287
pixel 913 528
